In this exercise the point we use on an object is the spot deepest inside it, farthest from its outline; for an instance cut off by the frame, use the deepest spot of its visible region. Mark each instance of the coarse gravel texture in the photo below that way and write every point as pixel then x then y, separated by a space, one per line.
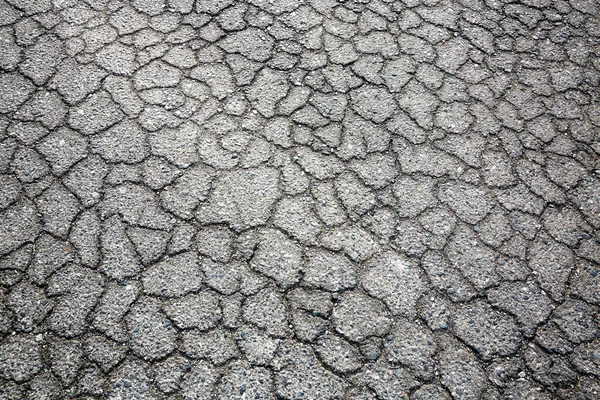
pixel 300 199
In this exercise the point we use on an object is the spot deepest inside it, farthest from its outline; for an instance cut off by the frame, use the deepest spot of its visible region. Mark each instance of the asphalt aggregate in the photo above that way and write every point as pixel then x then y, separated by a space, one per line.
pixel 300 199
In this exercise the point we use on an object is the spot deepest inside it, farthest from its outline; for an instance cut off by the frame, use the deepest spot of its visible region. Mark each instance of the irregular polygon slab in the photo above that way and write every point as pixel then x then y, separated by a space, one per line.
pixel 150 244
pixel 28 165
pixel 275 7
pixel 27 132
pixel 217 76
pixel 173 277
pixel 473 259
pixel 377 43
pixel 452 54
pixel 150 7
pixel 188 191
pixel 58 208
pixel 19 224
pixel 269 87
pixel 553 263
pixel 117 58
pixel 419 103
pixel 331 105
pixel 156 74
pixel 359 317
pixel 586 282
pixel 14 90
pixel 256 345
pixel 181 57
pixel 376 170
pixel 327 205
pixel 168 373
pixel 491 333
pixel 124 142
pixel 130 380
pixel 105 352
pixel 585 358
pixel 461 374
pixel 469 202
pixel 42 58
pixel 11 190
pixel 278 257
pixel 80 290
pixel 66 358
pixel 356 242
pixel 20 358
pixel 63 148
pixel 396 281
pixel 44 106
pixel 398 72
pixel 266 310
pixel 199 382
pixel 127 20
pixel 318 165
pixel 178 145
pixel 373 103
pixel 95 114
pixel 157 173
pixel 413 345
pixel 75 81
pixel 212 6
pixel 328 270
pixel 194 311
pixel 528 303
pixel 576 320
pixel 124 94
pixel 354 195
pixel 454 117
pixel 254 382
pixel 414 195
pixel 387 380
pixel 151 337
pixel 300 375
pixel 497 169
pixel 587 196
pixel 251 42
pixel 137 204
pixel 86 178
pixel 242 198
pixel 217 345
pixel 50 254
pixel 295 216
pixel 29 304
pixel 338 354
pixel 215 242
pixel 115 303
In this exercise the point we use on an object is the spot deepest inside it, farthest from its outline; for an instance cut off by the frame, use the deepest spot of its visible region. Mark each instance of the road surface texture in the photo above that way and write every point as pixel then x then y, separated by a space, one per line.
pixel 283 199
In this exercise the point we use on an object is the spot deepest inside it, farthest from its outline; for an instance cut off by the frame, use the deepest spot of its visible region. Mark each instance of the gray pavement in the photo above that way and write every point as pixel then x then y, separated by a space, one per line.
pixel 284 199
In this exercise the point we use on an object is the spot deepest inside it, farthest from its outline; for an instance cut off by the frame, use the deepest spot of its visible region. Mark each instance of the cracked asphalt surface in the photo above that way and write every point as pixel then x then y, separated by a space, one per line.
pixel 283 199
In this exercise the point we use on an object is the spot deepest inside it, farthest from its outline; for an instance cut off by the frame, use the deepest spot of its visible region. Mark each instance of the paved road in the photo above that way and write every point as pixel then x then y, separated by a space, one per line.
pixel 283 199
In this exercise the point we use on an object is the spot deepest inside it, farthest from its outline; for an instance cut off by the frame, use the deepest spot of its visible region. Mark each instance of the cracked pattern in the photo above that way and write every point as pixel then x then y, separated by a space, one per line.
pixel 314 199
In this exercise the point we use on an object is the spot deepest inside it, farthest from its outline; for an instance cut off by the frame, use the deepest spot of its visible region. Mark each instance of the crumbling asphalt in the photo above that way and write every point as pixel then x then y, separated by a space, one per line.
pixel 283 199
